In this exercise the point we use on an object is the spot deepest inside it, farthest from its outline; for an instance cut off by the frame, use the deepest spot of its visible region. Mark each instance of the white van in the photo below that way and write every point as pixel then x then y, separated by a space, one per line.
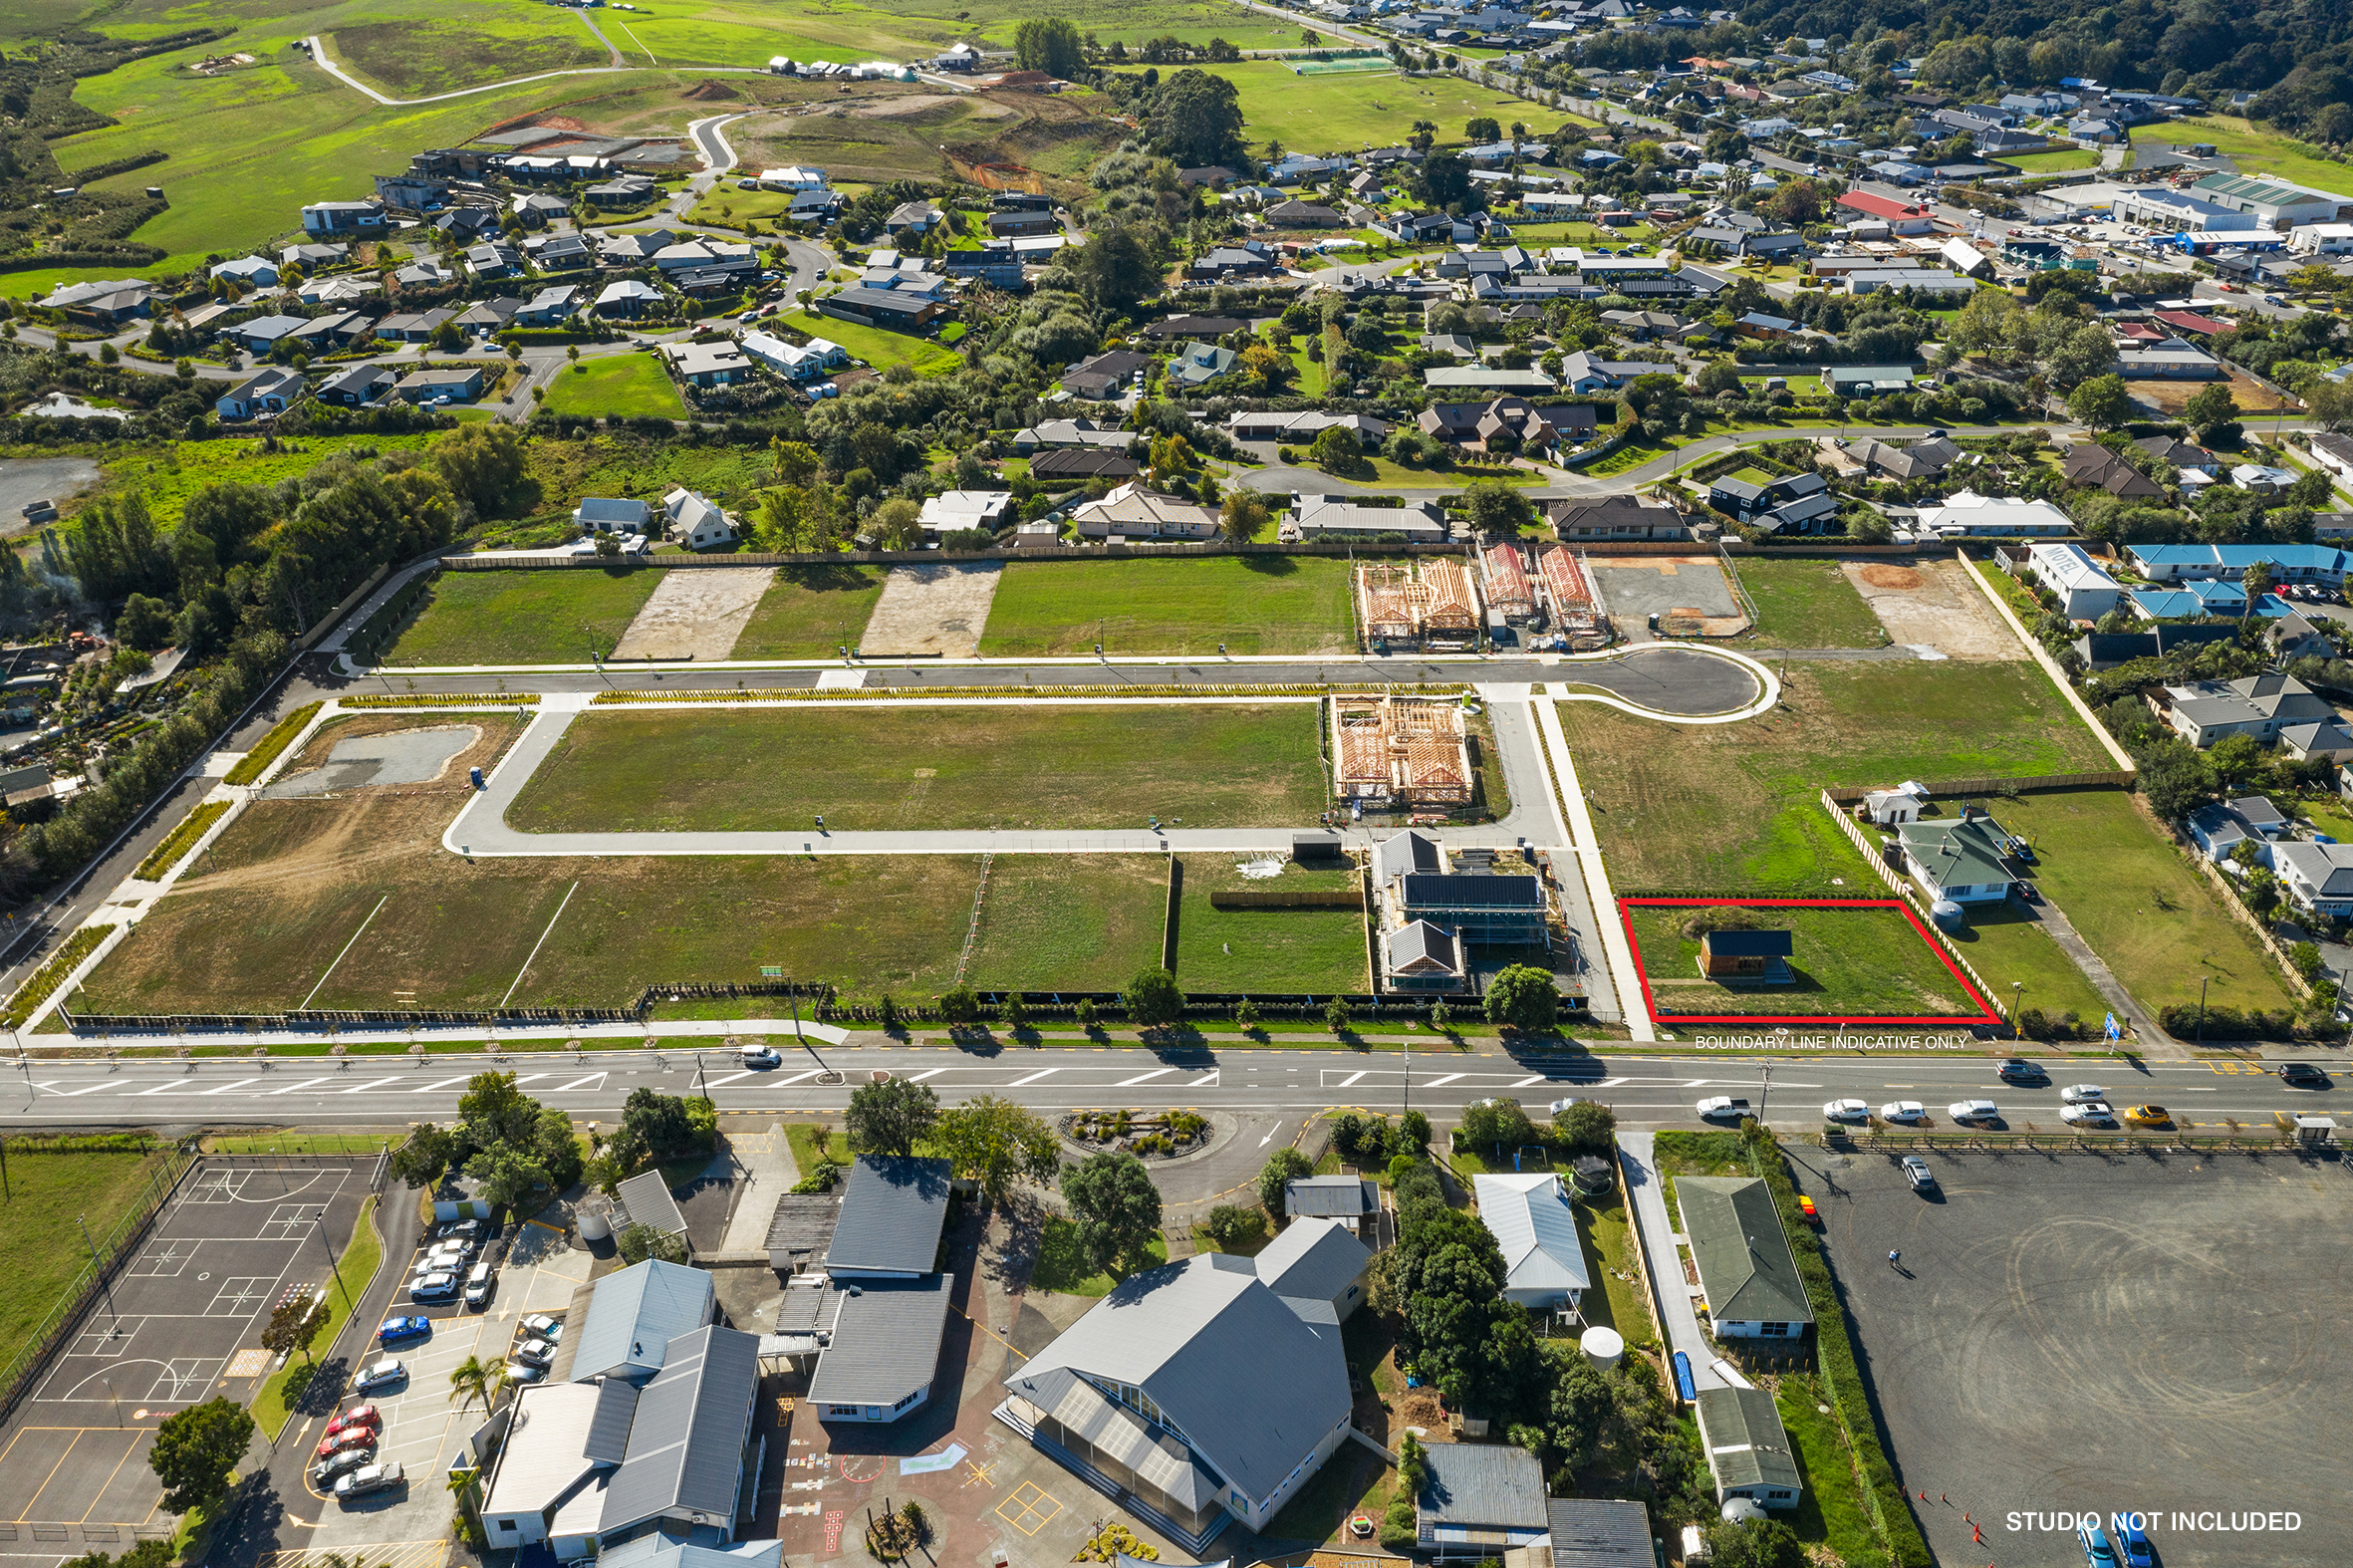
pixel 479 1284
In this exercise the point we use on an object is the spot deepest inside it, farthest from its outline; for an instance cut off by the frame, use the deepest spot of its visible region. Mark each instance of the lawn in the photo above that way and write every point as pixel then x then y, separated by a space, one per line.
pixel 1069 922
pixel 623 385
pixel 2054 163
pixel 2024 964
pixel 553 617
pixel 1366 108
pixel 870 767
pixel 1735 808
pixel 2257 151
pixel 1062 1270
pixel 811 611
pixel 37 1229
pixel 1807 603
pixel 1608 1239
pixel 1856 962
pixel 1274 604
pixel 1831 1511
pixel 354 1268
pixel 878 346
pixel 1309 950
pixel 2135 898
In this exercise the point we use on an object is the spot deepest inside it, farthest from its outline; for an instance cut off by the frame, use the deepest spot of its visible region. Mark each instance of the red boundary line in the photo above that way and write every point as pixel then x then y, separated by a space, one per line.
pixel 1626 907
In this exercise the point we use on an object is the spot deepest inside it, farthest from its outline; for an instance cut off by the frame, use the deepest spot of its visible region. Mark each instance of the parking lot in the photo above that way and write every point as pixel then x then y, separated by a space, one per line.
pixel 181 1322
pixel 423 1427
pixel 2100 1332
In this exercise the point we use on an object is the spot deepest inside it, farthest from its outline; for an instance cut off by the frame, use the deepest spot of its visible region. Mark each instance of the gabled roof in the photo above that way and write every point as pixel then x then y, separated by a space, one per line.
pixel 1327 1196
pixel 1746 1441
pixel 1743 1255
pixel 1528 1215
pixel 885 1342
pixel 1498 1487
pixel 1748 945
pixel 636 1313
pixel 1404 853
pixel 646 1196
pixel 893 1211
pixel 1313 1260
pixel 1587 1532
pixel 685 1444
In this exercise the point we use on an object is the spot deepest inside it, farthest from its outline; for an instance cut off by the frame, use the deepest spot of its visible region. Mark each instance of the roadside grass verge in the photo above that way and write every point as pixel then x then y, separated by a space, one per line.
pixel 255 763
pixel 37 1229
pixel 180 840
pixel 357 1265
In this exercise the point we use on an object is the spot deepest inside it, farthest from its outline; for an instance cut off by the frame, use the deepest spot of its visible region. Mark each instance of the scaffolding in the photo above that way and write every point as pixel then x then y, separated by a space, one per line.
pixel 1506 575
pixel 1403 750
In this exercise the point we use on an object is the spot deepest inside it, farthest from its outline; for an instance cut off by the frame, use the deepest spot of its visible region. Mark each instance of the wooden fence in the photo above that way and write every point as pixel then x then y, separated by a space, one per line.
pixel 1848 794
pixel 1904 890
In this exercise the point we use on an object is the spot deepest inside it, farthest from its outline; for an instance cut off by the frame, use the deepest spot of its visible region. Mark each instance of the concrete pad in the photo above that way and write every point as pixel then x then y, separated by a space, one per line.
pixel 402 756
pixel 1932 605
pixel 696 613
pixel 1688 591
pixel 931 610
pixel 766 1167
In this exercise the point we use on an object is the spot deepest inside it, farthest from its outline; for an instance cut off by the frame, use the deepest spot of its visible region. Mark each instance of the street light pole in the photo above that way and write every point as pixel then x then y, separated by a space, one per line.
pixel 84 1222
pixel 319 1221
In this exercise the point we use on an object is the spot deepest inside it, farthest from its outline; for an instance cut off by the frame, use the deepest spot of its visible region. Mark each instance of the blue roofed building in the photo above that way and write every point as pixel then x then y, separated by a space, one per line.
pixel 2324 564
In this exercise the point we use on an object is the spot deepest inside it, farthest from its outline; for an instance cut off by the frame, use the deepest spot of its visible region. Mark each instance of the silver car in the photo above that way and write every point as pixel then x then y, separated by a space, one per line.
pixel 1847 1111
pixel 2081 1093
pixel 2089 1113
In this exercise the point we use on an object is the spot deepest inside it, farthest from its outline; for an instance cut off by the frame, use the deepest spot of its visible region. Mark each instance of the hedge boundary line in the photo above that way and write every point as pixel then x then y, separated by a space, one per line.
pixel 180 840
pixel 257 761
pixel 443 699
pixel 46 979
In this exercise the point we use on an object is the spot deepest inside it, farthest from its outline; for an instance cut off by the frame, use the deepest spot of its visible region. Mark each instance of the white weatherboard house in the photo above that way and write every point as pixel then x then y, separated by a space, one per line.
pixel 1529 1217
pixel 1964 861
pixel 2086 591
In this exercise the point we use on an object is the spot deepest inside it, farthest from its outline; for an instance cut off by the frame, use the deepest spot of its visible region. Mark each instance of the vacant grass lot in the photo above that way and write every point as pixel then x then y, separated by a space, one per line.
pixel 167 476
pixel 1847 962
pixel 1808 603
pixel 2137 899
pixel 1355 109
pixel 625 385
pixel 2257 151
pixel 864 767
pixel 523 617
pixel 1310 951
pixel 1069 922
pixel 878 346
pixel 1735 808
pixel 2008 947
pixel 1251 604
pixel 37 1229
pixel 811 611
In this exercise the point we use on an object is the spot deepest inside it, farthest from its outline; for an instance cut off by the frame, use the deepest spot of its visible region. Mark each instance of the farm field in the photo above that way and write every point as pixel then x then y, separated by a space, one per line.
pixel 1312 950
pixel 810 612
pixel 1852 963
pixel 1735 809
pixel 1807 603
pixel 1008 766
pixel 1365 110
pixel 522 617
pixel 1069 921
pixel 2140 904
pixel 624 386
pixel 1251 604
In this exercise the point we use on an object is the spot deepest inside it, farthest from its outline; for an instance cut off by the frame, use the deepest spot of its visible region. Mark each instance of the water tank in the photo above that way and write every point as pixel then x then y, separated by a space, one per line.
pixel 1947 915
pixel 1602 1347
pixel 1739 1510
pixel 595 1224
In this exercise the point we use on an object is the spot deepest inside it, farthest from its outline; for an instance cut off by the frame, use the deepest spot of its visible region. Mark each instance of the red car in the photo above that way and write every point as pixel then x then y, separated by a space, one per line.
pixel 367 1416
pixel 342 1441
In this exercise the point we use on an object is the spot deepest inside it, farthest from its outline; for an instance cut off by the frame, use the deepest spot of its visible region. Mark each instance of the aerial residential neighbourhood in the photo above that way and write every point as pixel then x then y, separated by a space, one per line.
pixel 1233 784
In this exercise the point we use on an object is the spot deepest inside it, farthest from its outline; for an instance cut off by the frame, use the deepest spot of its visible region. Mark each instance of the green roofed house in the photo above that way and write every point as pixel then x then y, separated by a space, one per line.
pixel 1964 860
pixel 1745 1269
pixel 1748 1447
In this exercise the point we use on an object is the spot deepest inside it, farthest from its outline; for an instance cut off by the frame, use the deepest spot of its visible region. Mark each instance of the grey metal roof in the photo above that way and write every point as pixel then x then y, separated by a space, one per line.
pixel 1329 1197
pixel 801 1228
pixel 1590 1532
pixel 1252 1387
pixel 885 1342
pixel 1740 1250
pixel 1528 1215
pixel 1314 1259
pixel 1742 1433
pixel 1475 1485
pixel 686 1447
pixel 665 1550
pixel 891 1214
pixel 608 1426
pixel 1419 941
pixel 636 1313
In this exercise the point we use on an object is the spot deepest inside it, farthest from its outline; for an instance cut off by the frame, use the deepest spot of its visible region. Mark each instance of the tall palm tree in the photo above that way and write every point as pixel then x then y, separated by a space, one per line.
pixel 477 1378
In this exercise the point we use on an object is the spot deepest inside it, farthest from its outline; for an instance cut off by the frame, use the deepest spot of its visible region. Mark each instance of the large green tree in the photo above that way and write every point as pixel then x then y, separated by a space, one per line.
pixel 1114 1205
pixel 1117 267
pixel 997 1143
pixel 1459 1330
pixel 1197 120
pixel 1522 997
pixel 495 1111
pixel 506 1175
pixel 891 1116
pixel 1051 45
pixel 1282 1166
pixel 197 1449
pixel 2101 402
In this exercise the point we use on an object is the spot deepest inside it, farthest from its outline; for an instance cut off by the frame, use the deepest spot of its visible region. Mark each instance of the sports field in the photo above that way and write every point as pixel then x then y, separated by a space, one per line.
pixel 1864 963
pixel 523 617
pixel 623 385
pixel 1307 950
pixel 865 766
pixel 810 612
pixel 1251 604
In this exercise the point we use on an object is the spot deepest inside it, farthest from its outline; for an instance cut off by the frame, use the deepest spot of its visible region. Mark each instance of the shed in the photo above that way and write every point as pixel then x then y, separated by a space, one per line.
pixel 646 1198
pixel 1479 1501
pixel 1746 955
pixel 1748 1447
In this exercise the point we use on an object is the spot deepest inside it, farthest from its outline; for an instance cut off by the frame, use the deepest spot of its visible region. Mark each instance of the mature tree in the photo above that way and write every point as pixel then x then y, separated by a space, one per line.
pixel 1337 450
pixel 1154 999
pixel 426 1156
pixel 2312 489
pixel 2256 581
pixel 1116 267
pixel 2210 407
pixel 1587 1127
pixel 495 1111
pixel 997 1143
pixel 891 1116
pixel 1482 129
pixel 1198 120
pixel 1242 519
pixel 506 1175
pixel 1051 45
pixel 657 1123
pixel 2101 402
pixel 1229 1223
pixel 1755 1543
pixel 2084 353
pixel 1282 1166
pixel 640 1242
pixel 1495 507
pixel 1984 323
pixel 557 1147
pixel 196 1450
pixel 1522 997
pixel 1443 179
pixel 2329 404
pixel 295 1324
pixel 1496 1123
pixel 1458 1327
pixel 2174 778
pixel 1115 1205
pixel 486 463
pixel 1413 1128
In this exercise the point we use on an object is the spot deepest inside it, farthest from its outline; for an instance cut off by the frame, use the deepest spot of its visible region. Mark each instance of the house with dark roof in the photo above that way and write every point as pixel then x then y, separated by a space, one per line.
pixel 1479 1500
pixel 1748 1447
pixel 1745 1267
pixel 1073 465
pixel 1189 326
pixel 1921 460
pixel 1615 517
pixel 1303 215
pixel 1760 956
pixel 1350 1199
pixel 357 386
pixel 1104 376
pixel 2220 827
pixel 893 1208
pixel 1599 1532
pixel 1318 1267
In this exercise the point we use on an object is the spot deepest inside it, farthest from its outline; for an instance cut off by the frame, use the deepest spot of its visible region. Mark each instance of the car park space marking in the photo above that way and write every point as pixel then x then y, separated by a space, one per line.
pixel 1144 1078
pixel 592 1081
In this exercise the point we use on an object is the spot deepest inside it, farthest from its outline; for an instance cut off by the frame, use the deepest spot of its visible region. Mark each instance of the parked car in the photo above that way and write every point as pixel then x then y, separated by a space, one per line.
pixel 345 1439
pixel 1558 1106
pixel 524 1372
pixel 1722 1108
pixel 358 1415
pixel 2148 1116
pixel 1916 1172
pixel 2081 1093
pixel 1973 1111
pixel 463 1227
pixel 2097 1553
pixel 329 1471
pixel 2132 1541
pixel 368 1483
pixel 1907 1111
pixel 535 1353
pixel 433 1287
pixel 545 1327
pixel 480 1283
pixel 2088 1113
pixel 1846 1111
pixel 397 1329
pixel 383 1374
pixel 2303 1075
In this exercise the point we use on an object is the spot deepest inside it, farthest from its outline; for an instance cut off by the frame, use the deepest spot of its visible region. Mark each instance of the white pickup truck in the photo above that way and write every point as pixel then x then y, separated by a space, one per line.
pixel 1723 1108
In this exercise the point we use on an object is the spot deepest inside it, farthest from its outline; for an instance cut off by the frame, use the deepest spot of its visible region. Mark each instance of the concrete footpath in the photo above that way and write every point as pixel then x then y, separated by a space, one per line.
pixel 1639 1162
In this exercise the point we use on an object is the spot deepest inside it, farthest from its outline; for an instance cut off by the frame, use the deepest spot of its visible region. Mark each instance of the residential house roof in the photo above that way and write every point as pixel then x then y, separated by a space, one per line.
pixel 1528 1215
pixel 1420 947
pixel 1474 1487
pixel 1748 945
pixel 893 1211
pixel 646 1197
pixel 885 1342
pixel 1312 1260
pixel 1956 853
pixel 1746 1442
pixel 1743 1254
pixel 1330 1197
pixel 635 1312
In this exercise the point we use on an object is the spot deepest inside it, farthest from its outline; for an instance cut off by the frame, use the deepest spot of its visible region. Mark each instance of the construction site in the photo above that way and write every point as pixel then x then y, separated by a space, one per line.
pixel 1554 597
pixel 1392 752
pixel 1431 604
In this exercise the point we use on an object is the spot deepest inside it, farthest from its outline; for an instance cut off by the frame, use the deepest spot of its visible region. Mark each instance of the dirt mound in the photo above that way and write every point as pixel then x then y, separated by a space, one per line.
pixel 1879 574
pixel 709 91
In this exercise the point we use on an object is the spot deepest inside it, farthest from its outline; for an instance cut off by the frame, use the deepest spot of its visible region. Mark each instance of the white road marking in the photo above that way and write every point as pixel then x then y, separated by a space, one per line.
pixel 933 1073
pixel 168 1086
pixel 1033 1078
pixel 305 1083
pixel 1440 1083
pixel 1524 1083
pixel 1350 1079
pixel 532 1078
pixel 235 1083
pixel 593 1079
pixel 442 1083
pixel 1612 1083
pixel 800 1076
pixel 67 1094
pixel 1270 1132
pixel 1144 1078
pixel 730 1078
pixel 1205 1079
pixel 372 1082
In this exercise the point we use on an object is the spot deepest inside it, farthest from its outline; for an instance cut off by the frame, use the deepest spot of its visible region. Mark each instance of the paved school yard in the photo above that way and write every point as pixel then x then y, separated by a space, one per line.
pixel 2072 1333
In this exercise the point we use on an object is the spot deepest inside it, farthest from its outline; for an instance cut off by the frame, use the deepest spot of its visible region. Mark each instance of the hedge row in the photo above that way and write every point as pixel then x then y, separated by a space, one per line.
pixel 52 975
pixel 180 840
pixel 86 1144
pixel 2227 1023
pixel 257 761
pixel 1834 1350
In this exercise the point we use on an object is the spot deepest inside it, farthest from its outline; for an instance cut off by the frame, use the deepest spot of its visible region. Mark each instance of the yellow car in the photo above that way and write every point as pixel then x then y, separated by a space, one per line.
pixel 2148 1116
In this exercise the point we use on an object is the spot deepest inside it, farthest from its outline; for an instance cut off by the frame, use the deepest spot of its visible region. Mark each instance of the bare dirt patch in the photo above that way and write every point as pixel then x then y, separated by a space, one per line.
pixel 1687 593
pixel 695 615
pixel 931 610
pixel 893 108
pixel 1933 606
pixel 2170 397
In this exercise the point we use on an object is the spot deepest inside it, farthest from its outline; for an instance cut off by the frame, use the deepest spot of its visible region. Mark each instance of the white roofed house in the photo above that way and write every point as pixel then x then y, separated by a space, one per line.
pixel 1528 1214
pixel 1132 512
pixel 696 521
pixel 2086 591
pixel 2318 877
pixel 958 511
pixel 612 514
